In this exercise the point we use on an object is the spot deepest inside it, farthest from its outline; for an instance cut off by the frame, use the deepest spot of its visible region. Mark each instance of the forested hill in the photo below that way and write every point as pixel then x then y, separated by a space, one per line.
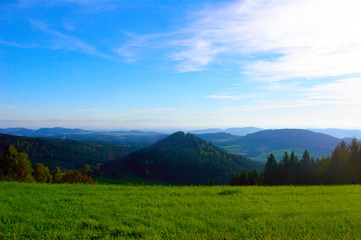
pixel 260 144
pixel 67 154
pixel 182 159
pixel 140 138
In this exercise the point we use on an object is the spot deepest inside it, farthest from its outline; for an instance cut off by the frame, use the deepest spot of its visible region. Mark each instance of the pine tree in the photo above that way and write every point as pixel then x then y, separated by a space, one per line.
pixel 1 166
pixel 271 176
pixel 354 161
pixel 256 178
pixel 285 167
pixel 243 179
pixel 337 165
pixel 234 179
pixel 304 173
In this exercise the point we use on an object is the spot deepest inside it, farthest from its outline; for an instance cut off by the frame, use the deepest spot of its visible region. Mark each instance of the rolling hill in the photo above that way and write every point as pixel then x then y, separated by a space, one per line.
pixel 67 154
pixel 259 145
pixel 339 133
pixel 140 138
pixel 182 159
pixel 234 131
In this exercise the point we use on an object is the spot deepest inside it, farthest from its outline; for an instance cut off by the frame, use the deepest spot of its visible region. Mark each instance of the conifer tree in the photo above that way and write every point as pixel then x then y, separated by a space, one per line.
pixel 271 176
pixel 243 179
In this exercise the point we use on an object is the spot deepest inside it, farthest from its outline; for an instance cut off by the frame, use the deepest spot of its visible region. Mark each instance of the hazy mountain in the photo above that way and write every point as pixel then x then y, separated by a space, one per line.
pixel 217 138
pixel 260 144
pixel 340 133
pixel 17 131
pixel 182 159
pixel 234 131
pixel 69 154
pixel 242 131
pixel 43 132
pixel 122 137
pixel 208 130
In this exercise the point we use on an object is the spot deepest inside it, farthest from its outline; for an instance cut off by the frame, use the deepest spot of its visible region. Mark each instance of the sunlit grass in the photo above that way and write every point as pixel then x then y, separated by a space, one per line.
pixel 42 211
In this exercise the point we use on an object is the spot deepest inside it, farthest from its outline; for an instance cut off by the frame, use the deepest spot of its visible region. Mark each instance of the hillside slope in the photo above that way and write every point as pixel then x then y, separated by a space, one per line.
pixel 140 138
pixel 66 153
pixel 182 159
pixel 260 144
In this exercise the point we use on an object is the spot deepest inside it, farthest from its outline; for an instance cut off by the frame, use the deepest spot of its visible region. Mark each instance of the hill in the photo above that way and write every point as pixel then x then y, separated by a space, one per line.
pixel 140 138
pixel 260 144
pixel 182 159
pixel 339 133
pixel 234 131
pixel 43 132
pixel 68 154
pixel 218 138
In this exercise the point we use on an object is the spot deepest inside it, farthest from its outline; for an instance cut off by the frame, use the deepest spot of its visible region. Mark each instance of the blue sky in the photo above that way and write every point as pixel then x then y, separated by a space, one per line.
pixel 180 64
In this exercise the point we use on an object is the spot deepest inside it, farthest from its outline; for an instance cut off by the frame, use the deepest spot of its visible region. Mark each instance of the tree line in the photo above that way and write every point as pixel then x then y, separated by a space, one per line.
pixel 342 167
pixel 16 166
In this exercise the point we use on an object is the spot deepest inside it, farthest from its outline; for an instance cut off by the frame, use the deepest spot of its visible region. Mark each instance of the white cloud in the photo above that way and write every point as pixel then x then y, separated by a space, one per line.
pixel 269 105
pixel 283 39
pixel 344 91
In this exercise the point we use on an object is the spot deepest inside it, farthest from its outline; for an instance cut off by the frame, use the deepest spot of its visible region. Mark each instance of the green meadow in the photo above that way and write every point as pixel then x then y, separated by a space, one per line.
pixel 50 211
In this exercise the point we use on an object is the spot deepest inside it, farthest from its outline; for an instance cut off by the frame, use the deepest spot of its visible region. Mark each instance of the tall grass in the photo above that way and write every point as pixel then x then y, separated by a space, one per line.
pixel 44 211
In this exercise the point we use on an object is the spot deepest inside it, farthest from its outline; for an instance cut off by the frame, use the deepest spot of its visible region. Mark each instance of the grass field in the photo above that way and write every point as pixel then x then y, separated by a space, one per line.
pixel 40 211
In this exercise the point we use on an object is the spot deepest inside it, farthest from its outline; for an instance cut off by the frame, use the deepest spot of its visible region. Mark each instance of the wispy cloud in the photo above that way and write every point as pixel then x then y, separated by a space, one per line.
pixel 242 96
pixel 274 40
pixel 271 105
pixel 222 97
pixel 63 41
pixel 7 106
pixel 152 110
pixel 18 45
pixel 88 110
pixel 345 91
pixel 90 5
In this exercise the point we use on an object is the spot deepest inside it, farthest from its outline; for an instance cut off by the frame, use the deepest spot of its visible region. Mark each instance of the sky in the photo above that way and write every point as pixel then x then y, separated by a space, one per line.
pixel 180 64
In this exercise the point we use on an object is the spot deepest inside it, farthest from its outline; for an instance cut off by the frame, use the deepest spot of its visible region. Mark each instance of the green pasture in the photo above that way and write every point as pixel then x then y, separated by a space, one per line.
pixel 50 211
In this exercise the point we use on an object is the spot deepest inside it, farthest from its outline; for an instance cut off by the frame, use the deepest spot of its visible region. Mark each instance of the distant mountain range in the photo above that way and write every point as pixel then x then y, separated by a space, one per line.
pixel 122 137
pixel 335 132
pixel 178 158
pixel 251 142
pixel 339 133
pixel 182 159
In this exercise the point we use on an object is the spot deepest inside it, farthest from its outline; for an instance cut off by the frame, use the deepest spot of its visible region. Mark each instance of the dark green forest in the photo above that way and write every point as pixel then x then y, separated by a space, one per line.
pixel 67 154
pixel 15 166
pixel 342 167
pixel 182 159
pixel 178 159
